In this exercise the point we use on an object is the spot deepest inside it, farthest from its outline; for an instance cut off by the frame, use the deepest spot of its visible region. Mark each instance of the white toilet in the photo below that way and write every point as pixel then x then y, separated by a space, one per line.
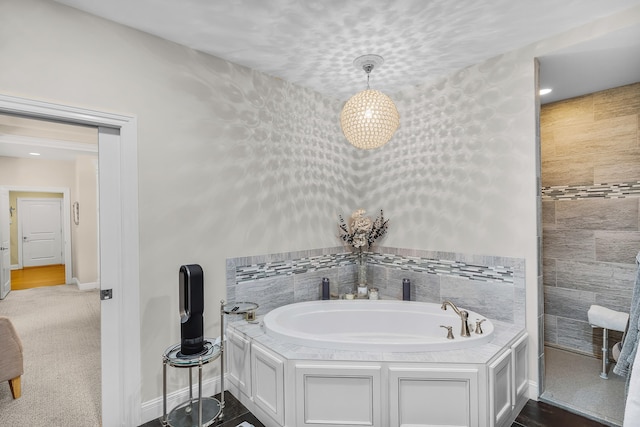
pixel 602 317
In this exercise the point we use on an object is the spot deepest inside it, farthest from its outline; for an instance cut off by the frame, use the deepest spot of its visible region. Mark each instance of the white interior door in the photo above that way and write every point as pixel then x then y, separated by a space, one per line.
pixel 5 259
pixel 40 222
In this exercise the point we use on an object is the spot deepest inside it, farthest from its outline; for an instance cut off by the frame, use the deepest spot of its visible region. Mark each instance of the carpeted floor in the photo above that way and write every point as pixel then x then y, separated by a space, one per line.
pixel 573 382
pixel 60 331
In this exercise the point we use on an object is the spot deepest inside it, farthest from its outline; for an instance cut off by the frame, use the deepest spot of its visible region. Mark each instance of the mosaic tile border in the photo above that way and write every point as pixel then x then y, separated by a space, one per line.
pixel 446 267
pixel 603 191
pixel 271 269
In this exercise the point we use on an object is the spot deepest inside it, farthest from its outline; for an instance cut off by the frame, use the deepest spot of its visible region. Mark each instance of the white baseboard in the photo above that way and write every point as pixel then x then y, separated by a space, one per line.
pixel 86 286
pixel 152 409
pixel 533 390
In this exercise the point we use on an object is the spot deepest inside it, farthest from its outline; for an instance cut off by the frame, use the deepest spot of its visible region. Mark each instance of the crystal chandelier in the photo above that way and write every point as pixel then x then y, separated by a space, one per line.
pixel 369 118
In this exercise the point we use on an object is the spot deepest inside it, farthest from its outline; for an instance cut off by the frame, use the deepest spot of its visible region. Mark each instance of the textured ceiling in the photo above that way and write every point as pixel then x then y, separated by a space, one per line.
pixel 314 43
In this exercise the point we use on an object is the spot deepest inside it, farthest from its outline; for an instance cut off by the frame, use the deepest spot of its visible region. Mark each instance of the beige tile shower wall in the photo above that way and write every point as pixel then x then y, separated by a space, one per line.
pixel 589 245
pixel 592 139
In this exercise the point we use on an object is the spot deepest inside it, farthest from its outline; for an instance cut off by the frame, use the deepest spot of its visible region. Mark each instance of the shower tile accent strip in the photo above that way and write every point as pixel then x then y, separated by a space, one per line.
pixel 423 265
pixel 577 192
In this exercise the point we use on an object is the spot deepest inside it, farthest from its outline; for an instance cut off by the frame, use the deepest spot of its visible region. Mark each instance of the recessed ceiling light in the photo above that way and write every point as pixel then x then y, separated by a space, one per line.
pixel 35 154
pixel 545 91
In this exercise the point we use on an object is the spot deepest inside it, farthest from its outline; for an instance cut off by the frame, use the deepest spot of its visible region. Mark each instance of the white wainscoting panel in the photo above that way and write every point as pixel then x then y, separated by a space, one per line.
pixel 237 352
pixel 500 390
pixel 520 365
pixel 267 382
pixel 425 397
pixel 338 395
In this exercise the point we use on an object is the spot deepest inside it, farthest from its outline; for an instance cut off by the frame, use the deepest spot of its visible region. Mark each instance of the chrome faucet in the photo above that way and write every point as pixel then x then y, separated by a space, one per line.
pixel 464 315
pixel 449 332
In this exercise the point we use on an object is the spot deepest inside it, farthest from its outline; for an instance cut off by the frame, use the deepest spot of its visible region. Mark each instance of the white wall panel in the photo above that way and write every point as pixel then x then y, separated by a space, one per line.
pixel 429 397
pixel 267 382
pixel 338 395
pixel 238 352
pixel 500 390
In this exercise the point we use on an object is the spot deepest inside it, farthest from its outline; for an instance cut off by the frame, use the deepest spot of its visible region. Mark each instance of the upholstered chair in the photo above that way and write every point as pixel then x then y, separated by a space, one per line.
pixel 11 365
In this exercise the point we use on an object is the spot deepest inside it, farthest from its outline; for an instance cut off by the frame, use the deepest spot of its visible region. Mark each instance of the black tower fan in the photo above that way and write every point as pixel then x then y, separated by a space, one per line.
pixel 191 309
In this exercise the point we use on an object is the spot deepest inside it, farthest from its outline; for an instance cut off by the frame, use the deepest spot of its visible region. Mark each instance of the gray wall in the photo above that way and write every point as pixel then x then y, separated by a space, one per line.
pixel 491 286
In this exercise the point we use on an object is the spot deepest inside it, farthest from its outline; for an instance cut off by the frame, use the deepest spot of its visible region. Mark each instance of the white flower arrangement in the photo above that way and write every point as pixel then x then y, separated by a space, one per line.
pixel 362 231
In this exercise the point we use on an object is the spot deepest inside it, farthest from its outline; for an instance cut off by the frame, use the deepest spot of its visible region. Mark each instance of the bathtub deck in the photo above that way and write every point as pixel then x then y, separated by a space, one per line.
pixel 504 333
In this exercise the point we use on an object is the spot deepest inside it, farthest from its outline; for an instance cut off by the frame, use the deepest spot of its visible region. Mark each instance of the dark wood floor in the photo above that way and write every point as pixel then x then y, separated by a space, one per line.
pixel 534 414
pixel 540 414
pixel 234 413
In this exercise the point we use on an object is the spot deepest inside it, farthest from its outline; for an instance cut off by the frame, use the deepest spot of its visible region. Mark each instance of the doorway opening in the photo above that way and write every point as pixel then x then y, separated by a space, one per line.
pixel 38 231
pixel 49 250
pixel 589 223
pixel 119 254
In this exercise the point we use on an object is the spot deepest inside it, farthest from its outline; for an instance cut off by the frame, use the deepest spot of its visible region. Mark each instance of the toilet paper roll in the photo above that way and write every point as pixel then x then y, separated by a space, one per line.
pixel 615 350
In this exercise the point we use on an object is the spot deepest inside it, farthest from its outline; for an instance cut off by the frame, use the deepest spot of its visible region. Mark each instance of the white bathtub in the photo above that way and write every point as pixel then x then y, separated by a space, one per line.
pixel 370 325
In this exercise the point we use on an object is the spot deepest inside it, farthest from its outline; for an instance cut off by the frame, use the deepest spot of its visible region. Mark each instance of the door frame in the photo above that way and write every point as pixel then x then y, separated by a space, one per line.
pixel 119 250
pixel 5 227
pixel 66 221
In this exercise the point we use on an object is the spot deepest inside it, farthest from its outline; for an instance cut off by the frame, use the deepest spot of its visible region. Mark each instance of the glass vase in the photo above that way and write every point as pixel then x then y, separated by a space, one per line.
pixel 362 275
pixel 362 270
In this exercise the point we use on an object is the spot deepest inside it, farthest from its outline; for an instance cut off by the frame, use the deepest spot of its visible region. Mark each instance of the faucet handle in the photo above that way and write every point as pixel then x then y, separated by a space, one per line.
pixel 449 331
pixel 478 327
